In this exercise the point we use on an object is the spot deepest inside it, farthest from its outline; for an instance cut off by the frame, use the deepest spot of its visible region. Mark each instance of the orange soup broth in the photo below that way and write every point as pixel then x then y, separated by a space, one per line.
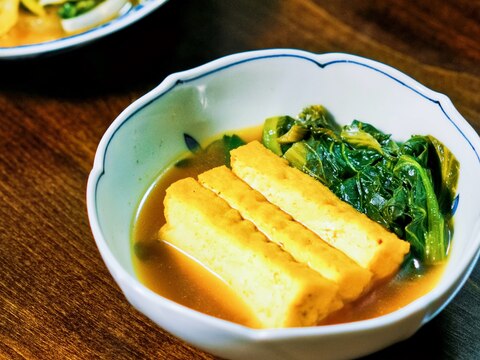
pixel 32 29
pixel 174 275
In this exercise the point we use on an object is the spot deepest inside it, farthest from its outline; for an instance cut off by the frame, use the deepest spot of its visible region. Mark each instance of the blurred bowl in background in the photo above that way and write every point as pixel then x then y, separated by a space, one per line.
pixel 69 41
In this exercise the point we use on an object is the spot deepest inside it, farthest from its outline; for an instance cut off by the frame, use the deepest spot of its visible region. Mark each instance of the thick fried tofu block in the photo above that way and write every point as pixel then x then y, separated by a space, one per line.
pixel 305 246
pixel 320 210
pixel 279 290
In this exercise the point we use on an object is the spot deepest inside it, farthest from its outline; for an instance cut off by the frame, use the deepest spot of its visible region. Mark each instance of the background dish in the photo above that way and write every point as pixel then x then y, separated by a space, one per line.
pixel 240 91
pixel 134 14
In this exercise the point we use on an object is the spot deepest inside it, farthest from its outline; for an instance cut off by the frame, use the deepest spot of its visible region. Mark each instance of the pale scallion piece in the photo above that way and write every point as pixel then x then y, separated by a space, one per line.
pixel 97 15
pixel 34 7
pixel 8 15
pixel 51 2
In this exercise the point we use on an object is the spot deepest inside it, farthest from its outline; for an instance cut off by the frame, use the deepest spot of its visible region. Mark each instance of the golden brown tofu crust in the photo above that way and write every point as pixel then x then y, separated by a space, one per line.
pixel 279 290
pixel 281 228
pixel 317 208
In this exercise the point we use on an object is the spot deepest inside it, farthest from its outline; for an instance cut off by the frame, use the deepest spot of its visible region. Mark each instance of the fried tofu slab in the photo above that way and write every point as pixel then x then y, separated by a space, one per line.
pixel 281 291
pixel 312 204
pixel 304 245
pixel 292 250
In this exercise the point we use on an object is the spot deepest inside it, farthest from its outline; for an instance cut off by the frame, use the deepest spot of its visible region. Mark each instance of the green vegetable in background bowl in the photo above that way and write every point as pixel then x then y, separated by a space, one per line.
pixel 407 187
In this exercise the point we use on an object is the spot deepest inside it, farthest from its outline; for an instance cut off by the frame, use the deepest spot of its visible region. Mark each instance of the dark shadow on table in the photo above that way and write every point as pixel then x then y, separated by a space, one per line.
pixel 135 58
pixel 427 343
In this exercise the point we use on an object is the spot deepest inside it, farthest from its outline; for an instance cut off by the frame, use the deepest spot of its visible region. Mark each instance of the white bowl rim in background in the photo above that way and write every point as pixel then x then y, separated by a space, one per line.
pixel 277 334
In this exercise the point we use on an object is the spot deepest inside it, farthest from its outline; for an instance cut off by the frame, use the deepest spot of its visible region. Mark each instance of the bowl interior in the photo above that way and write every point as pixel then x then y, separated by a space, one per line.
pixel 229 95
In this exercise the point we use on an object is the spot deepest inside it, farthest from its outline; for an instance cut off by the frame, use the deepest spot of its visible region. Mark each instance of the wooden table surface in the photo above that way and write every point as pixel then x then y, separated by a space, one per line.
pixel 57 299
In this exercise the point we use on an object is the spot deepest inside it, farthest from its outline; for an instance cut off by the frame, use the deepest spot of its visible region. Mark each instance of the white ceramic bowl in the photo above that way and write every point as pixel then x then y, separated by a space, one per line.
pixel 240 91
pixel 134 14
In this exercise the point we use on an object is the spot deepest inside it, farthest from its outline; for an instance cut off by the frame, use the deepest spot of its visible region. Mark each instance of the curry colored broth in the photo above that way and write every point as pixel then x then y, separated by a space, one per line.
pixel 176 276
pixel 32 29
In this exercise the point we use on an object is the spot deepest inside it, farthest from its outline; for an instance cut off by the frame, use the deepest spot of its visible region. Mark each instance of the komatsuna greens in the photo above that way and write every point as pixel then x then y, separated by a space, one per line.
pixel 407 187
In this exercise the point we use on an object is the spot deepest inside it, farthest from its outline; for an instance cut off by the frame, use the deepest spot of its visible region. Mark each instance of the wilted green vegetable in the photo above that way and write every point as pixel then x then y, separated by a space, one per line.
pixel 71 9
pixel 215 153
pixel 407 187
pixel 272 130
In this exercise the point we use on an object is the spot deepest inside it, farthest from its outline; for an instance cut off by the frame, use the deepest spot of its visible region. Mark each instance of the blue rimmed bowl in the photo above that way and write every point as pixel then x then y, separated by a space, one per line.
pixel 131 16
pixel 240 91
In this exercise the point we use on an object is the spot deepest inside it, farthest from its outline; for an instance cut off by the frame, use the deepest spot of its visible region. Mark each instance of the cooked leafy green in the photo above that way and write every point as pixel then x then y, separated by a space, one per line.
pixel 407 187
pixel 272 129
pixel 446 170
pixel 71 9
pixel 215 153
pixel 231 142
pixel 192 144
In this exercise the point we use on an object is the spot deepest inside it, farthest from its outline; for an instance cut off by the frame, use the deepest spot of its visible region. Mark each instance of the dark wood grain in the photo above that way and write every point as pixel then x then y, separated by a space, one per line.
pixel 57 299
